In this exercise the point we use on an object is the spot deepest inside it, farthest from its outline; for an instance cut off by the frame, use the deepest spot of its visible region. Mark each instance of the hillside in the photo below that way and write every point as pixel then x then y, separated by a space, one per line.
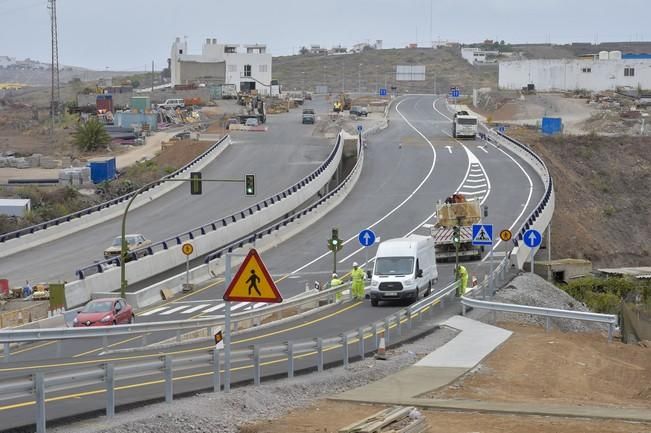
pixel 550 51
pixel 602 200
pixel 378 68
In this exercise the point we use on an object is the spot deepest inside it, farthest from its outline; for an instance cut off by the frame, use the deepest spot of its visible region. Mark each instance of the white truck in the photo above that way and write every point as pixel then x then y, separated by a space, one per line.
pixel 405 268
pixel 464 125
pixel 460 212
pixel 173 104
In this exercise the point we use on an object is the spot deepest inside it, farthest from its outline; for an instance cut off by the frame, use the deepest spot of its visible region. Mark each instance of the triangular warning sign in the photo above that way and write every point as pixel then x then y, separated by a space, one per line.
pixel 482 236
pixel 252 283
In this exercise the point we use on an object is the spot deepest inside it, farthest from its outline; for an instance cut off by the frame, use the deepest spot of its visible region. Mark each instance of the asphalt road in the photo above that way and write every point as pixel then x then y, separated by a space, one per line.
pixel 408 167
pixel 279 157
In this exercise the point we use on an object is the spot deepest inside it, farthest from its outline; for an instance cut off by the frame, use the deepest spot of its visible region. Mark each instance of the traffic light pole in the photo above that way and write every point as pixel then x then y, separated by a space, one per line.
pixel 123 244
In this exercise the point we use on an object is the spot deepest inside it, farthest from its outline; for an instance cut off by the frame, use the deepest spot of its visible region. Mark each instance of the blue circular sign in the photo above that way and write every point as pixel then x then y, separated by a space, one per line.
pixel 359 128
pixel 532 238
pixel 366 238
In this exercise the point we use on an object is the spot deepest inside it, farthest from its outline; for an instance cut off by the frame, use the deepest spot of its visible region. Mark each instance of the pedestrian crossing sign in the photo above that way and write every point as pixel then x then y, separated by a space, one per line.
pixel 252 283
pixel 482 234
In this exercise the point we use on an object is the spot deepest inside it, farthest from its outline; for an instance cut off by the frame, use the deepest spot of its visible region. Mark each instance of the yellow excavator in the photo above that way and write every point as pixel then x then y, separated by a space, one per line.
pixel 342 103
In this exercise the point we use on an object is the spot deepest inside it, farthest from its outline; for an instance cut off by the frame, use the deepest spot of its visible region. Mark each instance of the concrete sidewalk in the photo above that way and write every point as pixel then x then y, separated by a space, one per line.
pixel 475 341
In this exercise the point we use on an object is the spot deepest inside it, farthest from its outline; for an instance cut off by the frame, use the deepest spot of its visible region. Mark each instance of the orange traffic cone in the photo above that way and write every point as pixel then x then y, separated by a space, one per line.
pixel 382 349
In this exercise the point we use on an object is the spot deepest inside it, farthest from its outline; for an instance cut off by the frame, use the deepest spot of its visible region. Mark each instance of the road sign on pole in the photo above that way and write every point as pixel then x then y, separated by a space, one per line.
pixel 383 91
pixel 482 234
pixel 187 248
pixel 455 92
pixel 360 128
pixel 366 238
pixel 532 238
pixel 252 283
pixel 506 235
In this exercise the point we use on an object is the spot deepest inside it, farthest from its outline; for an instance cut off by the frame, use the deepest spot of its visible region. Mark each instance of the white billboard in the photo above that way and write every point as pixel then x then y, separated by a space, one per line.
pixel 410 73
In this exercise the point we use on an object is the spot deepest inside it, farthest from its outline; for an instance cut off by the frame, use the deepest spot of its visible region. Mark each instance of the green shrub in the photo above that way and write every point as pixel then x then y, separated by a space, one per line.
pixel 91 136
pixel 604 295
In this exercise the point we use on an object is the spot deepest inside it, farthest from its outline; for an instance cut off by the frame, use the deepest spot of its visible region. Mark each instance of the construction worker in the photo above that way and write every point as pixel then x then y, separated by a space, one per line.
pixel 462 275
pixel 334 283
pixel 357 288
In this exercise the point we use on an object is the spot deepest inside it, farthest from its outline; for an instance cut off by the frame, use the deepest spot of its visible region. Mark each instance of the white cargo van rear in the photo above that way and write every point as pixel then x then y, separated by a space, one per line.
pixel 405 268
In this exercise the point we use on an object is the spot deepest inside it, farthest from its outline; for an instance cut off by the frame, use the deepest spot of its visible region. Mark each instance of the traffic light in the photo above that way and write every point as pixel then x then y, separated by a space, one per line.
pixel 195 183
pixel 249 184
pixel 456 236
pixel 334 243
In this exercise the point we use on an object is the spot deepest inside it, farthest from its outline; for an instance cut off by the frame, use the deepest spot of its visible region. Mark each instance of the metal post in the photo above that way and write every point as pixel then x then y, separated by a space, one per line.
pixel 169 390
pixel 463 309
pixel 256 364
pixel 398 325
pixel 610 332
pixel 549 251
pixel 494 316
pixel 360 335
pixel 408 318
pixel 58 349
pixel 7 352
pixel 104 342
pixel 110 390
pixel 376 337
pixel 531 259
pixel 216 375
pixel 491 282
pixel 290 359
pixel 547 323
pixel 386 331
pixel 187 272
pixel 319 354
pixel 227 326
pixel 345 347
pixel 39 391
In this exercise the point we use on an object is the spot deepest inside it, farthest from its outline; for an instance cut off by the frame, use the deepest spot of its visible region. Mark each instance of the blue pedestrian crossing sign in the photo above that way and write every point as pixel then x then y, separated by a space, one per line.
pixel 366 238
pixel 482 234
pixel 383 91
pixel 532 238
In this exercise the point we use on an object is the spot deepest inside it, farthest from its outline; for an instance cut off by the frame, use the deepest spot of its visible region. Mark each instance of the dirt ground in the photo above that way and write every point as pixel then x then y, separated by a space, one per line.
pixel 178 153
pixel 532 366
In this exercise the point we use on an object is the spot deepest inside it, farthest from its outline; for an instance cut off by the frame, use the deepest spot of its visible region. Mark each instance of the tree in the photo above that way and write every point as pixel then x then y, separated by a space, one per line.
pixel 91 135
pixel 304 51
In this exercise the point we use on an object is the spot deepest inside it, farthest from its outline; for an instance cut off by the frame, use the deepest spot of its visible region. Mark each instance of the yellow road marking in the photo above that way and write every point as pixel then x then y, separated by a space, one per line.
pixel 47 343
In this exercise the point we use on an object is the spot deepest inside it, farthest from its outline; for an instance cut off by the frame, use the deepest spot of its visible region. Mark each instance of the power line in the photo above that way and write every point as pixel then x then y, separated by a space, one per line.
pixel 55 97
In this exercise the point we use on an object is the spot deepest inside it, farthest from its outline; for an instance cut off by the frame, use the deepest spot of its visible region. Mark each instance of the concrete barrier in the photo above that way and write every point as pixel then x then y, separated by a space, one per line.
pixel 80 291
pixel 54 232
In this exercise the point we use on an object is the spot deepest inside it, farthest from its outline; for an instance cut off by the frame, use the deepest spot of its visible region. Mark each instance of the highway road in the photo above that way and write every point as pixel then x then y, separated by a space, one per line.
pixel 408 167
pixel 279 157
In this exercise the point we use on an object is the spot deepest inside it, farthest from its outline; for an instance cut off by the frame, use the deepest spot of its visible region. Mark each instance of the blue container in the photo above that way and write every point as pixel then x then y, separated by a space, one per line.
pixel 102 169
pixel 552 125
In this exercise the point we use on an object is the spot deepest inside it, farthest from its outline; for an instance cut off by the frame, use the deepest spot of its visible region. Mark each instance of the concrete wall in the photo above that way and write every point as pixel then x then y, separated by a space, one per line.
pixel 574 74
pixel 202 72
pixel 119 99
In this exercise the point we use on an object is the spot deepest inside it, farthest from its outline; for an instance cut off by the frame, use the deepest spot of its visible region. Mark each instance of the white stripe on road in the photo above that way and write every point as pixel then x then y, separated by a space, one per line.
pixel 195 308
pixel 215 308
pixel 174 310
pixel 473 192
pixel 475 186
pixel 154 311
pixel 475 180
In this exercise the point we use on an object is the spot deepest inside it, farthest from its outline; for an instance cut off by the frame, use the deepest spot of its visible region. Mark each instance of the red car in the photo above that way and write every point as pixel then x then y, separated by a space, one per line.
pixel 104 312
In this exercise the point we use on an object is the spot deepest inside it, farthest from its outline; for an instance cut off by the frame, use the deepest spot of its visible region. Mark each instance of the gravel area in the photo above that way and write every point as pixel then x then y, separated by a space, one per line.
pixel 224 413
pixel 531 289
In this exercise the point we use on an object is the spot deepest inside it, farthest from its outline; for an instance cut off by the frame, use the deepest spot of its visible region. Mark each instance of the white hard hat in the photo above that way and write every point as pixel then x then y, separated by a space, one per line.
pixel 355 264
pixel 335 275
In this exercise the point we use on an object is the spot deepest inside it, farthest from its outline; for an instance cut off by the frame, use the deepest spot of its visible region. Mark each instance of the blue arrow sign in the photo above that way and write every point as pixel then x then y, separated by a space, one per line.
pixel 501 128
pixel 359 128
pixel 366 238
pixel 482 234
pixel 455 92
pixel 532 238
pixel 383 91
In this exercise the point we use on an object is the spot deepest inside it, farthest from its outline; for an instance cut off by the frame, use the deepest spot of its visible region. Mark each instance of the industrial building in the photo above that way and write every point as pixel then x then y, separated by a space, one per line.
pixel 603 71
pixel 248 67
pixel 476 55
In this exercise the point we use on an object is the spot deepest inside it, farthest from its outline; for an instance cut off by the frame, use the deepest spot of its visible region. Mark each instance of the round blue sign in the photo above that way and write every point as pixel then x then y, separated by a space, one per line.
pixel 366 238
pixel 532 238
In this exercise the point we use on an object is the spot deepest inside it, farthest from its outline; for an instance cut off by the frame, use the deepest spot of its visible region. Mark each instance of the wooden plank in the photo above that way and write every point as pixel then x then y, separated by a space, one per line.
pixel 397 414
pixel 354 427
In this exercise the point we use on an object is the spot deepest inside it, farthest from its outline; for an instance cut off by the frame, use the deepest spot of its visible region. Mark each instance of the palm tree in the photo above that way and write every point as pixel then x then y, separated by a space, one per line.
pixel 91 135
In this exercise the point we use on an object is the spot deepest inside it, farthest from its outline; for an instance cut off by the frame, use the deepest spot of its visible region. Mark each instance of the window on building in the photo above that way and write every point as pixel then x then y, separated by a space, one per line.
pixel 629 72
pixel 232 68
pixel 586 70
pixel 180 51
pixel 247 70
pixel 263 68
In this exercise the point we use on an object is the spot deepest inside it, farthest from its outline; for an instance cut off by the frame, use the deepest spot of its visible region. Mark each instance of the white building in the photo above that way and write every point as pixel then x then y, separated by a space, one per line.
pixel 596 74
pixel 476 55
pixel 248 67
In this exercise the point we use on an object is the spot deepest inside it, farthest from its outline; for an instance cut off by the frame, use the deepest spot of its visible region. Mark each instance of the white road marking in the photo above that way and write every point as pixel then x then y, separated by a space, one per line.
pixel 483 148
pixel 449 148
pixel 239 305
pixel 154 311
pixel 473 192
pixel 476 175
pixel 195 308
pixel 215 308
pixel 475 180
pixel 174 310
pixel 475 186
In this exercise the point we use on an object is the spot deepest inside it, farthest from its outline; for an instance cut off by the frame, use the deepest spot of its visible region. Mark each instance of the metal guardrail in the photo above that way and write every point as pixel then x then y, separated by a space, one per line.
pixel 67 218
pixel 548 313
pixel 39 384
pixel 99 266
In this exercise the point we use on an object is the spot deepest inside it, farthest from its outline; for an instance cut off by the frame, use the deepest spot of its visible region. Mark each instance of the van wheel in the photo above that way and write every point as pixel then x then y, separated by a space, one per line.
pixel 374 302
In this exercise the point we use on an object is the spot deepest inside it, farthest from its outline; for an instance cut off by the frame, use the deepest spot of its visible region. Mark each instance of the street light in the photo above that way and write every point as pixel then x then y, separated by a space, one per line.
pixel 303 74
pixel 359 78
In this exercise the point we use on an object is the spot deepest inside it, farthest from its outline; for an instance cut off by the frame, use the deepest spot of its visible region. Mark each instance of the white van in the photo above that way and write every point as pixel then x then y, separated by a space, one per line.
pixel 404 269
pixel 173 103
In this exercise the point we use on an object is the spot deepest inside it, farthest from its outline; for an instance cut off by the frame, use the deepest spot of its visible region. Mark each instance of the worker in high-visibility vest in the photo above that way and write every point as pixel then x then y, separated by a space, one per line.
pixel 462 275
pixel 357 288
pixel 334 283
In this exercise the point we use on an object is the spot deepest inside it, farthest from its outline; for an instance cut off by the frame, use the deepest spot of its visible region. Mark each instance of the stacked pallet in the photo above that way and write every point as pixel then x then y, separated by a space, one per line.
pixel 396 419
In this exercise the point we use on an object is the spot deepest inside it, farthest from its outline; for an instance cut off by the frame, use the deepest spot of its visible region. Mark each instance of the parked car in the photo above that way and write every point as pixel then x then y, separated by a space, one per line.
pixel 252 121
pixel 104 312
pixel 308 116
pixel 173 103
pixel 358 111
pixel 134 242
pixel 232 121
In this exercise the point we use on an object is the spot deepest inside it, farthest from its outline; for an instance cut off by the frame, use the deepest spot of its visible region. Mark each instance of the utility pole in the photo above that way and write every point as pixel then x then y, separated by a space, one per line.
pixel 343 76
pixel 55 94
pixel 152 78
pixel 359 78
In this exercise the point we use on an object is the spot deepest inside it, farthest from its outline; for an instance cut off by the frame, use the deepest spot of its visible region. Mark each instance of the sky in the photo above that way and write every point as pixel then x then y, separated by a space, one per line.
pixel 129 34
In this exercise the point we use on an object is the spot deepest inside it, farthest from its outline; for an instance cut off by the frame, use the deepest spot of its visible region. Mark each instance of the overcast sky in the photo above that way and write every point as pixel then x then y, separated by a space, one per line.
pixel 128 34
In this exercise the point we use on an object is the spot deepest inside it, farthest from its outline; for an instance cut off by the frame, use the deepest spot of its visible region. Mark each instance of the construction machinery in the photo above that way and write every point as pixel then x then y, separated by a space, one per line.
pixel 341 103
pixel 453 228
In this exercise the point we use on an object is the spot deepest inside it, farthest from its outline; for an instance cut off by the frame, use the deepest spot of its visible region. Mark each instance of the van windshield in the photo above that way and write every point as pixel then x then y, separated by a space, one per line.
pixel 394 265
